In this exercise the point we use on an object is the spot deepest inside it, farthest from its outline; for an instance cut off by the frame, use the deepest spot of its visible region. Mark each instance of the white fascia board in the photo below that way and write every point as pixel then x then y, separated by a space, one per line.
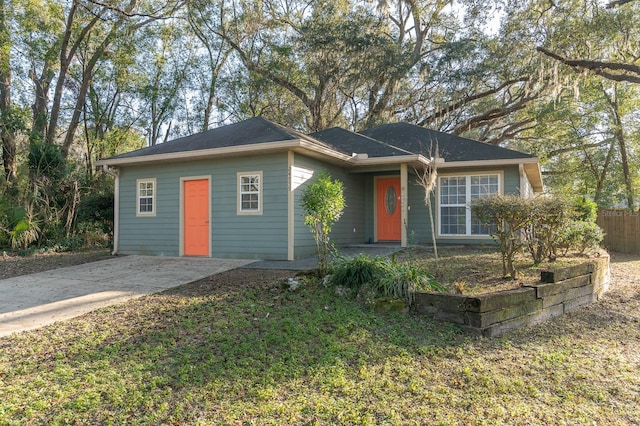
pixel 399 159
pixel 488 163
pixel 531 168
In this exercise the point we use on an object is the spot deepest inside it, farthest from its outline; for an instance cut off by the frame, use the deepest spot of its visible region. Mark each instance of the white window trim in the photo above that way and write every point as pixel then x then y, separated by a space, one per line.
pixel 240 211
pixel 467 176
pixel 153 198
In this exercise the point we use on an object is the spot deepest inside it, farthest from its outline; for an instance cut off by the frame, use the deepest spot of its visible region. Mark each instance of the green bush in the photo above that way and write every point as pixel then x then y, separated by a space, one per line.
pixel 586 210
pixel 386 276
pixel 542 235
pixel 402 280
pixel 97 208
pixel 355 272
pixel 25 232
pixel 509 215
pixel 542 225
pixel 323 203
pixel 581 236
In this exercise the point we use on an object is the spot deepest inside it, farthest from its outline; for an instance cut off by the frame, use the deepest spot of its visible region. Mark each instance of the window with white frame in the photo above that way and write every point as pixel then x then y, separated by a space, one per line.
pixel 146 197
pixel 455 193
pixel 250 193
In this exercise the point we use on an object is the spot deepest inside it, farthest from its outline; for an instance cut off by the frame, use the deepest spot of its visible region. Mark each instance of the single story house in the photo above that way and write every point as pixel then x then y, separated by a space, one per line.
pixel 234 191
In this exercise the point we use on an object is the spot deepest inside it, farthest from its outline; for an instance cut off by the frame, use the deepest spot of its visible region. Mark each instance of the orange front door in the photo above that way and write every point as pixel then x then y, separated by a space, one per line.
pixel 196 217
pixel 388 209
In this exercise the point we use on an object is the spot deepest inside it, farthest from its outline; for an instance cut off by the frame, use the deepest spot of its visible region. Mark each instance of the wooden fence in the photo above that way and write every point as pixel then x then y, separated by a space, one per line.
pixel 622 229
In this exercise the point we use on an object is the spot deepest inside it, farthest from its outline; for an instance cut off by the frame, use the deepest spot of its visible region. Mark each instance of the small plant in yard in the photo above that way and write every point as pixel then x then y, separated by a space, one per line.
pixel 386 276
pixel 357 271
pixel 581 236
pixel 427 179
pixel 403 280
pixel 323 203
pixel 460 286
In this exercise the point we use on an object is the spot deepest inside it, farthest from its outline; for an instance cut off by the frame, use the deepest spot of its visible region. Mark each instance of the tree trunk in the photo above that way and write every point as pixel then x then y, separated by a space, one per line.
pixel 7 130
pixel 41 87
pixel 618 132
pixel 66 56
pixel 602 175
pixel 87 74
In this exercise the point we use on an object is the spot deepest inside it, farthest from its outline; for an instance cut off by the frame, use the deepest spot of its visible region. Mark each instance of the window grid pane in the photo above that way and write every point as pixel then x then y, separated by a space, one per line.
pixel 453 191
pixel 145 197
pixel 454 201
pixel 250 193
pixel 453 221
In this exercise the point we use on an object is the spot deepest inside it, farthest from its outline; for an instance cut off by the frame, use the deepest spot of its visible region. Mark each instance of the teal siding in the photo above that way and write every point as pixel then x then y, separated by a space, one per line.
pixel 369 212
pixel 265 236
pixel 350 228
pixel 153 235
pixel 419 228
pixel 233 236
pixel 512 180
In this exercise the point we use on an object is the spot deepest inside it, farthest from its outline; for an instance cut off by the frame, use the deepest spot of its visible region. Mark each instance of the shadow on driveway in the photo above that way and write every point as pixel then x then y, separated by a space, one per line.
pixel 35 300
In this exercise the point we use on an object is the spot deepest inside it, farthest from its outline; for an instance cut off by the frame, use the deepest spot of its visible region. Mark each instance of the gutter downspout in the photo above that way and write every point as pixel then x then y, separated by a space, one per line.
pixel 116 207
pixel 523 181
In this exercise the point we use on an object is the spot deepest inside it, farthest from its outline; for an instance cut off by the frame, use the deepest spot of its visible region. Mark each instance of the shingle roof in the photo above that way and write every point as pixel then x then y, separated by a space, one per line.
pixel 354 143
pixel 387 140
pixel 452 148
pixel 252 131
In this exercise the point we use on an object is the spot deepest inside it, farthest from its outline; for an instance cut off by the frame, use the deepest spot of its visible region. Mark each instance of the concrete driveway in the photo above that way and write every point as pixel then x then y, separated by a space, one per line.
pixel 31 301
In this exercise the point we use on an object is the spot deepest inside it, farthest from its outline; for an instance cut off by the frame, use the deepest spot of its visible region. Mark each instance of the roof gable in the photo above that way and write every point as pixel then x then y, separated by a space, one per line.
pixel 248 132
pixel 452 148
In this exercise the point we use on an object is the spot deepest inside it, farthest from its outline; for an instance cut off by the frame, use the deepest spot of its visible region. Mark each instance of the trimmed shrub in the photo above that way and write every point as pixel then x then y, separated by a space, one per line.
pixel 549 216
pixel 542 225
pixel 323 203
pixel 509 215
pixel 581 236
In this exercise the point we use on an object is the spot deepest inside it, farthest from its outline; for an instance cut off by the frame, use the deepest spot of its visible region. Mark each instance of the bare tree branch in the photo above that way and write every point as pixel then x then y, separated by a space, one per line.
pixel 450 108
pixel 155 15
pixel 617 3
pixel 581 147
pixel 601 68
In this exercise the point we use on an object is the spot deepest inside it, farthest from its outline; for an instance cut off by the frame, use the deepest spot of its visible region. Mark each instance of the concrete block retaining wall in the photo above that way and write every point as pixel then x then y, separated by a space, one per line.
pixel 559 291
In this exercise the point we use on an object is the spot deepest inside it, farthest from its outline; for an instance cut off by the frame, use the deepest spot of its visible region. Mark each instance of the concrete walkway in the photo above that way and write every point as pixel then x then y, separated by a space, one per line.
pixel 312 262
pixel 32 301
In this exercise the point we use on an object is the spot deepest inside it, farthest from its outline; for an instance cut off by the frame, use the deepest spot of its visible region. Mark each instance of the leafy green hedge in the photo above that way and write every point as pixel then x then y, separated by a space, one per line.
pixel 541 225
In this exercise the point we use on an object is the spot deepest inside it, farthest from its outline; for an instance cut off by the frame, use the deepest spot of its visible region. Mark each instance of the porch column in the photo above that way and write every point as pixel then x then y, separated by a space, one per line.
pixel 404 198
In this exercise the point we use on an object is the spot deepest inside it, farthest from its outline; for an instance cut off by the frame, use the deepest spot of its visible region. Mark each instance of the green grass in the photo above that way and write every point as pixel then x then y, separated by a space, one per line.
pixel 234 349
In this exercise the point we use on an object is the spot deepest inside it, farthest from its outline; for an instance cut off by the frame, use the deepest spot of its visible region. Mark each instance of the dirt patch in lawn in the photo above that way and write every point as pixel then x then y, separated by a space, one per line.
pixel 473 270
pixel 13 265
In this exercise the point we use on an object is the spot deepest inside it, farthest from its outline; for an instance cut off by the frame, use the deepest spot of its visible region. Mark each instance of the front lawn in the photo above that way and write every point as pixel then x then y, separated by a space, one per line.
pixel 238 349
pixel 475 270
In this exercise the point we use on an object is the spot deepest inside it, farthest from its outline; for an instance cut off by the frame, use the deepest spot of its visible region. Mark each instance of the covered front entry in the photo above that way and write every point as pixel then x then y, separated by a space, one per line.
pixel 388 209
pixel 196 217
